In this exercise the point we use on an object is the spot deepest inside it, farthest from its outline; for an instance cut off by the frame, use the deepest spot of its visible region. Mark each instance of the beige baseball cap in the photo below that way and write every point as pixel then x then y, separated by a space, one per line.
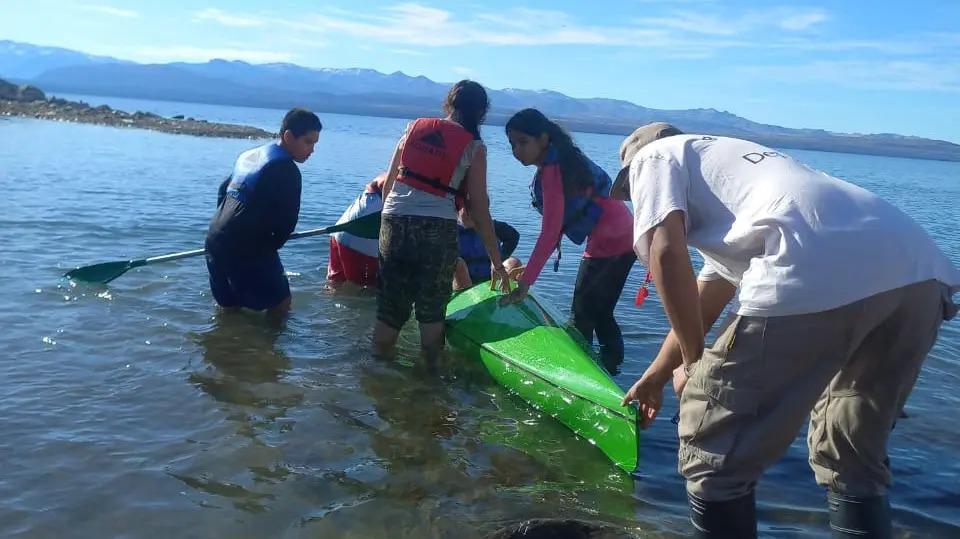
pixel 642 136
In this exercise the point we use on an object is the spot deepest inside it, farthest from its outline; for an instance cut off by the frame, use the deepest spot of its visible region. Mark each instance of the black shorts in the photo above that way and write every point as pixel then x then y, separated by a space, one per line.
pixel 255 283
pixel 418 256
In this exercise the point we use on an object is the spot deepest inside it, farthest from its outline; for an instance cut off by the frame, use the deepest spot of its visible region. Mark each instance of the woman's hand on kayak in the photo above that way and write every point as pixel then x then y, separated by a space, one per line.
pixel 648 394
pixel 501 278
pixel 518 294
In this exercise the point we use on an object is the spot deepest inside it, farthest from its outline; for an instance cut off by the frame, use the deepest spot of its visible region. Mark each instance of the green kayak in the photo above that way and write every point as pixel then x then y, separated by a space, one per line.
pixel 528 352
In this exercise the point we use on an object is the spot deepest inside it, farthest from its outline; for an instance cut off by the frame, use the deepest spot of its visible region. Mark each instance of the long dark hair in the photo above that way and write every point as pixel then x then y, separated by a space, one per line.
pixel 574 167
pixel 467 104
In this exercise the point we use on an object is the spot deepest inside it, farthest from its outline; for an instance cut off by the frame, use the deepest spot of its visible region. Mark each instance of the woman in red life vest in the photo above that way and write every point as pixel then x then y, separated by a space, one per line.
pixel 438 166
pixel 354 259
pixel 573 196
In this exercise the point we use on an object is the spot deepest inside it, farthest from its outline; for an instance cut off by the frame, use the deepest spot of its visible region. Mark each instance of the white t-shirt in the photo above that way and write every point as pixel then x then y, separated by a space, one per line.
pixel 794 240
pixel 365 204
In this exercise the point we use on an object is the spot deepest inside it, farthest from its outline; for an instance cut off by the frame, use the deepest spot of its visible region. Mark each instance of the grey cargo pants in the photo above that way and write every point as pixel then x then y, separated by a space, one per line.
pixel 850 368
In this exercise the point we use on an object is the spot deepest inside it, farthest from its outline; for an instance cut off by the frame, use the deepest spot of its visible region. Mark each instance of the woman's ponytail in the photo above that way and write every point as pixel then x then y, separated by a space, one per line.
pixel 467 104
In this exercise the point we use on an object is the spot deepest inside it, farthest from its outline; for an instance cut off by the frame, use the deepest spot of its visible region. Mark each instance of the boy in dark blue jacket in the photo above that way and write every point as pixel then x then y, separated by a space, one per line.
pixel 257 209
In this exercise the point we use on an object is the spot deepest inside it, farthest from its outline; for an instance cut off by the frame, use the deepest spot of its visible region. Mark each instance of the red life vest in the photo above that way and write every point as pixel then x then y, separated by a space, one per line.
pixel 430 156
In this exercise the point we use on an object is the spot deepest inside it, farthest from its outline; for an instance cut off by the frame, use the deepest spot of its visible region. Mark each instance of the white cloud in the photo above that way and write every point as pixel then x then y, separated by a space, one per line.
pixel 891 46
pixel 112 11
pixel 694 23
pixel 803 21
pixel 228 19
pixel 878 75
pixel 520 18
pixel 407 24
pixel 727 25
pixel 202 54
pixel 463 71
pixel 947 38
pixel 414 29
pixel 945 46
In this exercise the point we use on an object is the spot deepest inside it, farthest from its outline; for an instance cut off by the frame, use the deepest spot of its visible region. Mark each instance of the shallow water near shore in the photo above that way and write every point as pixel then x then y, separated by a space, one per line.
pixel 135 409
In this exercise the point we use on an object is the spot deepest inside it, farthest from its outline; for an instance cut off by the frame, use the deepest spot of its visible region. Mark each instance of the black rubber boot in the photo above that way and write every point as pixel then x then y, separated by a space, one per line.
pixel 862 517
pixel 731 519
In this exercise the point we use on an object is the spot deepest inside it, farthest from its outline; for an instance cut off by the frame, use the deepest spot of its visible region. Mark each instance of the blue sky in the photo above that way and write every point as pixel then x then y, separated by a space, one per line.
pixel 851 66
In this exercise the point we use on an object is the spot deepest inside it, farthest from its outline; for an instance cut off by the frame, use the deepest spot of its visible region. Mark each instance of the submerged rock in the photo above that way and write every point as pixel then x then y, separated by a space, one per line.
pixel 549 528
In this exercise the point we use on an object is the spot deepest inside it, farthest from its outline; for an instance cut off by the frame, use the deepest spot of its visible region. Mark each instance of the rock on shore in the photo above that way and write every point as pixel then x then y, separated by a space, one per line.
pixel 30 102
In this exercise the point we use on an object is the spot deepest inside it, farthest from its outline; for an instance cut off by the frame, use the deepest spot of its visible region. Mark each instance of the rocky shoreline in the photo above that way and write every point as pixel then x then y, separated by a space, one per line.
pixel 30 102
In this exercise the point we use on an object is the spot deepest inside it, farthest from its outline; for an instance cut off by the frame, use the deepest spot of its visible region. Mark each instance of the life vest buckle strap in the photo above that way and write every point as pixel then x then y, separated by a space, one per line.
pixel 406 173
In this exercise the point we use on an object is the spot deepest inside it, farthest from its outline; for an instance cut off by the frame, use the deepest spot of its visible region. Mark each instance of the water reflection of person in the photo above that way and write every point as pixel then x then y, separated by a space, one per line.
pixel 241 349
pixel 421 417
pixel 244 373
pixel 436 447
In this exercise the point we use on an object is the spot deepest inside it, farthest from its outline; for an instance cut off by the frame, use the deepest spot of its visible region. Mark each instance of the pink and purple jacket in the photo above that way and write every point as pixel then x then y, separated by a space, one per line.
pixel 612 235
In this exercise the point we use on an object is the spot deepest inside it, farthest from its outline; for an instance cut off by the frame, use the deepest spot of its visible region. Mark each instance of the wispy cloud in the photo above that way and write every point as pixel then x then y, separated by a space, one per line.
pixel 947 38
pixel 691 22
pixel 112 11
pixel 463 71
pixel 202 54
pixel 408 23
pixel 715 24
pixel 228 19
pixel 520 18
pixel 912 45
pixel 877 75
pixel 684 33
pixel 803 21
pixel 681 34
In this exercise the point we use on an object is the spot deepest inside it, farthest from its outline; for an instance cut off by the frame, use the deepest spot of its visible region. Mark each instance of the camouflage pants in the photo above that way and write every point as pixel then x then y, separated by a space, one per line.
pixel 417 258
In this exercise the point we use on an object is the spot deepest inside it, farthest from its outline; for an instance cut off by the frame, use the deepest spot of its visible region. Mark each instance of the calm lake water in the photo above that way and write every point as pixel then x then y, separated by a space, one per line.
pixel 135 410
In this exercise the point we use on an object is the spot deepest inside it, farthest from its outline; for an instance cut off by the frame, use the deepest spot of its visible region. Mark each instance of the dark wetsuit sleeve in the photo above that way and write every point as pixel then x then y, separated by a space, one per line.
pixel 222 191
pixel 508 236
pixel 285 182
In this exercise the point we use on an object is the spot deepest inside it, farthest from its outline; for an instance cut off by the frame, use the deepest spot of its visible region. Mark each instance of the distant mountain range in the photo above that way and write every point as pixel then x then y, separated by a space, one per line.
pixel 370 92
pixel 23 61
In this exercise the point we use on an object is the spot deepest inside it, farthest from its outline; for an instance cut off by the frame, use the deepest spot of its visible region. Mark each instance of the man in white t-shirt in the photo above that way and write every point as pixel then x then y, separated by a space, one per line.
pixel 839 297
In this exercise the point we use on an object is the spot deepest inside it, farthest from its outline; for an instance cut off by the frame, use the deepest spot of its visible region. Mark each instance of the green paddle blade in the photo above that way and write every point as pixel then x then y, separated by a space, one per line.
pixel 367 226
pixel 100 273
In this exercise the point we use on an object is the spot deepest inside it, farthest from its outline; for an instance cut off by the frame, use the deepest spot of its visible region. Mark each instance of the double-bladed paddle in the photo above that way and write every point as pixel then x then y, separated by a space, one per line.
pixel 367 226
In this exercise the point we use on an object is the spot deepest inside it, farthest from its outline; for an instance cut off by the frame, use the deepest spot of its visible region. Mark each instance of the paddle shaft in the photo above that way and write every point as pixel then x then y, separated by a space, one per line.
pixel 198 252
pixel 367 226
pixel 317 231
pixel 165 258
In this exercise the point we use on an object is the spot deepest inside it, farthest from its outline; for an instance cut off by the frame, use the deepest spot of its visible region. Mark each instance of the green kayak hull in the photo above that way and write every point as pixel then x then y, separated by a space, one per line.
pixel 543 362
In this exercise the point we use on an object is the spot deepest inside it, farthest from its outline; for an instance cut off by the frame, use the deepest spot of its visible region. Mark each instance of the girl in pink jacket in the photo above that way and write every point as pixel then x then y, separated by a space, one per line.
pixel 572 195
